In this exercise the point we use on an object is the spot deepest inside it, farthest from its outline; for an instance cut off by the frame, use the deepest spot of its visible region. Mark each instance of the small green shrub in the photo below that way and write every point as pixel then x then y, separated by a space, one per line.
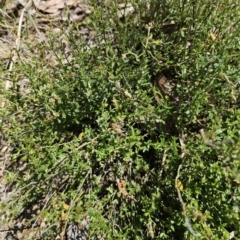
pixel 91 134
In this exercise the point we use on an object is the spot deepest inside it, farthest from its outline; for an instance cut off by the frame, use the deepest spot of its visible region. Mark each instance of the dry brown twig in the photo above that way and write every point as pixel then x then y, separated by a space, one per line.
pixel 18 41
pixel 8 83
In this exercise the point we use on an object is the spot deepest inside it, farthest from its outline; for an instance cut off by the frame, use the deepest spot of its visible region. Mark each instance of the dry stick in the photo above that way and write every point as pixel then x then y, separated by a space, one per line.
pixel 14 58
pixel 187 221
pixel 43 39
pixel 15 193
pixel 8 82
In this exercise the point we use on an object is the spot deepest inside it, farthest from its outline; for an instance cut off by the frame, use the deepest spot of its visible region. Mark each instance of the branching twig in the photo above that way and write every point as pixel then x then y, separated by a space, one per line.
pixel 18 40
pixel 43 39
pixel 8 82
pixel 15 193
pixel 187 221
pixel 207 141
pixel 213 144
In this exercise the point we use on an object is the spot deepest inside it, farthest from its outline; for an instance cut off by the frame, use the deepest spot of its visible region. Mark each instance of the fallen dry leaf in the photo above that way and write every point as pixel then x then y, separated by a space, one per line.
pixel 164 86
pixel 121 184
pixel 127 94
